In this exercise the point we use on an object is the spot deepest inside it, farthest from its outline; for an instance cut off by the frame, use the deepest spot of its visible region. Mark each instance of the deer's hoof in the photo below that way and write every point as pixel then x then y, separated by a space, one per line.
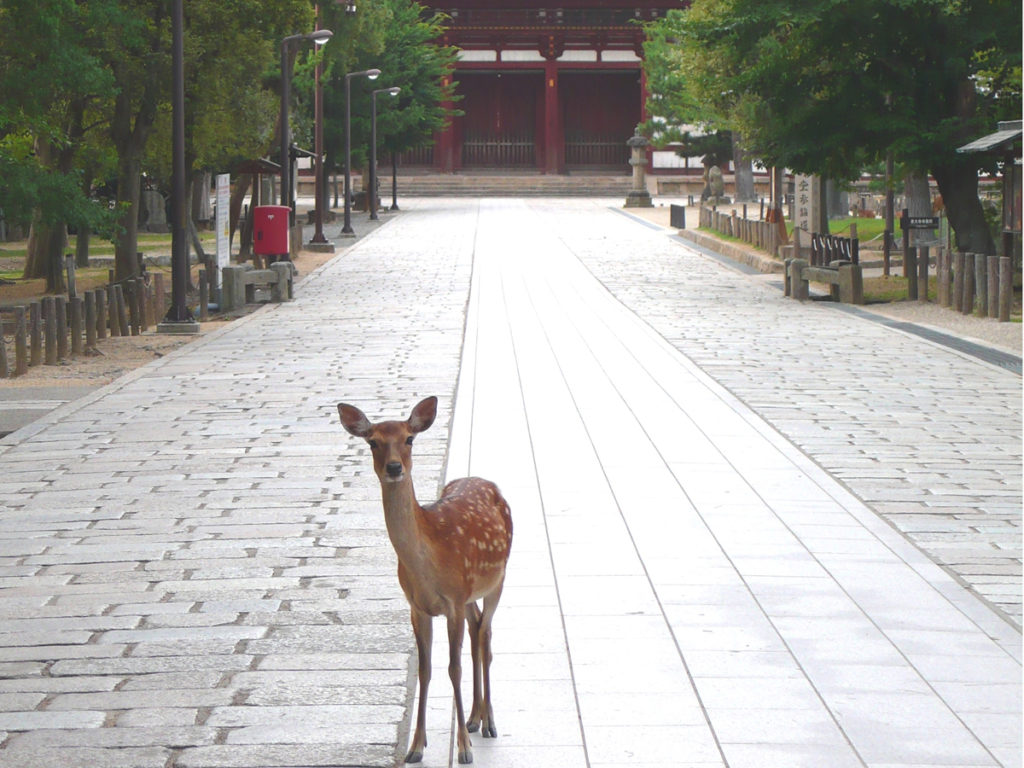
pixel 490 730
pixel 414 756
pixel 465 758
pixel 472 726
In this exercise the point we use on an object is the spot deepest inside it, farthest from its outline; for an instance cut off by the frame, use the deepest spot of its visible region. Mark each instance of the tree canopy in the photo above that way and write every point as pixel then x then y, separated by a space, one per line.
pixel 86 98
pixel 826 87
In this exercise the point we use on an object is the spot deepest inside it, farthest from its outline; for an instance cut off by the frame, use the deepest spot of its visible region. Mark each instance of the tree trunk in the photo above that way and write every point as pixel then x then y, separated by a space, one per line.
pixel 743 172
pixel 958 185
pixel 46 240
pixel 242 184
pixel 46 243
pixel 132 122
pixel 918 199
pixel 126 246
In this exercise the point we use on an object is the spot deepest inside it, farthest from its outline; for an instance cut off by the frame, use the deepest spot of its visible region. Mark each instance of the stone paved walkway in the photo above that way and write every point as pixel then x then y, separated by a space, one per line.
pixel 194 571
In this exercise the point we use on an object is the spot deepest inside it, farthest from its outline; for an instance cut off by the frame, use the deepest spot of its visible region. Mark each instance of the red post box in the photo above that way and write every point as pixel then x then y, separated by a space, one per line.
pixel 270 230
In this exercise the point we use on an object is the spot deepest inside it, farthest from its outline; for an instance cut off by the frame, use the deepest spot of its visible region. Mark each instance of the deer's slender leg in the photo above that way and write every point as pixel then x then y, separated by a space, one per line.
pixel 456 629
pixel 423 628
pixel 489 729
pixel 476 711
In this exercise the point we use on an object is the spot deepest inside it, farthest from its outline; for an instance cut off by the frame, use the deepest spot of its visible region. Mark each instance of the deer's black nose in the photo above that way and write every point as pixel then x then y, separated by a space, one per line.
pixel 394 468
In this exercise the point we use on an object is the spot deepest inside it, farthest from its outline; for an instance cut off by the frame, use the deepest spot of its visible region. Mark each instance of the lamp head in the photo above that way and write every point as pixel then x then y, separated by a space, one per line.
pixel 373 74
pixel 394 91
pixel 320 37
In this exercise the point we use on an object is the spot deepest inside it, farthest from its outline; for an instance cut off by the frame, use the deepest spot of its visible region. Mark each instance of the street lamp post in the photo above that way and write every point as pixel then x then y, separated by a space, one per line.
pixel 319 37
pixel 373 146
pixel 372 74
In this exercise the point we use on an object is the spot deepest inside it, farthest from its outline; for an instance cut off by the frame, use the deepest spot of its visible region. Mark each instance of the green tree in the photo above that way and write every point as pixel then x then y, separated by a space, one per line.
pixel 51 81
pixel 399 38
pixel 230 46
pixel 826 87
pixel 680 111
pixel 423 69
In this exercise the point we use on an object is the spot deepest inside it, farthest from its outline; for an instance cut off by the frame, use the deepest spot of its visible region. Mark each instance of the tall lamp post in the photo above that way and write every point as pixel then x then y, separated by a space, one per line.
pixel 373 146
pixel 371 74
pixel 319 37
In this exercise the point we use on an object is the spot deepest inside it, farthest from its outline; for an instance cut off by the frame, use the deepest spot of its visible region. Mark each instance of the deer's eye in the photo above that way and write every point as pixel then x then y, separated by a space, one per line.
pixel 408 440
pixel 372 444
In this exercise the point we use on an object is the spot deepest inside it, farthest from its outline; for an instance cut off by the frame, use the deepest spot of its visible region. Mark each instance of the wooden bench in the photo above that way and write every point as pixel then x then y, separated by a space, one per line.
pixel 240 284
pixel 845 280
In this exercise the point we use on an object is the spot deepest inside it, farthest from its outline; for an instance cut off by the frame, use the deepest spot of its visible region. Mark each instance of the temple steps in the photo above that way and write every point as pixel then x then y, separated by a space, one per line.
pixel 508 185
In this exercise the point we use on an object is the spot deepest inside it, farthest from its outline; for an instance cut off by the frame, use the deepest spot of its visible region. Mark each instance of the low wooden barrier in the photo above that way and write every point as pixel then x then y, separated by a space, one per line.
pixel 760 234
pixel 56 328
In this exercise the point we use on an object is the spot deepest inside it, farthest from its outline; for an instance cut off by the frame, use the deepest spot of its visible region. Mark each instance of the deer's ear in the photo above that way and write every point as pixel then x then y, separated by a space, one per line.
pixel 354 420
pixel 423 414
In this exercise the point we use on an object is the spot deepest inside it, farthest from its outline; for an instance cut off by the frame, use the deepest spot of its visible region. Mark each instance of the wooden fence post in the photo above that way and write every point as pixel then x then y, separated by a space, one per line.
pixel 981 282
pixel 20 342
pixel 959 259
pixel 112 322
pixel 76 325
pixel 922 273
pixel 910 270
pixel 967 305
pixel 993 285
pixel 4 367
pixel 119 312
pixel 62 328
pixel 35 333
pixel 131 298
pixel 101 313
pixel 204 296
pixel 90 320
pixel 158 296
pixel 1005 287
pixel 50 329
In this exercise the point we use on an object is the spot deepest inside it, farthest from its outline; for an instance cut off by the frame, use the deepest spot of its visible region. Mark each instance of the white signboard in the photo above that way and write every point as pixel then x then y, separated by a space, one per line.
pixel 223 225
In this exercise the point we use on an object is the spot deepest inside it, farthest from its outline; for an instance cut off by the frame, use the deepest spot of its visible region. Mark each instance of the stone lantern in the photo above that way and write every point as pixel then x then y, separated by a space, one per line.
pixel 638 196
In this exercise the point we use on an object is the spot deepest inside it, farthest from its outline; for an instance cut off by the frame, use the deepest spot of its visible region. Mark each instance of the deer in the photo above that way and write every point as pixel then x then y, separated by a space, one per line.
pixel 451 554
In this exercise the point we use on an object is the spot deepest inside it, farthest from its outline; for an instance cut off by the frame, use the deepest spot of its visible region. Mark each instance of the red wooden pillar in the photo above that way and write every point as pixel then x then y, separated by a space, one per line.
pixel 554 140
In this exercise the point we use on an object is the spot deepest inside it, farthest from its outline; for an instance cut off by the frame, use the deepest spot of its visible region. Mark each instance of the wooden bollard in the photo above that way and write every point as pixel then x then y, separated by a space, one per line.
pixel 20 341
pixel 1005 287
pixel 5 369
pixel 90 321
pixel 993 285
pixel 131 300
pixel 204 296
pixel 910 271
pixel 35 333
pixel 967 303
pixel 62 328
pixel 943 274
pixel 76 325
pixel 119 312
pixel 101 313
pixel 112 322
pixel 50 330
pixel 159 307
pixel 981 282
pixel 958 281
pixel 143 298
pixel 922 273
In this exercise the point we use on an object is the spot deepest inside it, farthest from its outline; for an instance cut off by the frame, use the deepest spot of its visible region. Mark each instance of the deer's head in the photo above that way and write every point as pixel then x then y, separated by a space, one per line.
pixel 390 441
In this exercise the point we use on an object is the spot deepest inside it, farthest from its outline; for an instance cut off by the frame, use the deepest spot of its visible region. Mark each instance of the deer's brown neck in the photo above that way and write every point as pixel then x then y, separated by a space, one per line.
pixel 401 512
